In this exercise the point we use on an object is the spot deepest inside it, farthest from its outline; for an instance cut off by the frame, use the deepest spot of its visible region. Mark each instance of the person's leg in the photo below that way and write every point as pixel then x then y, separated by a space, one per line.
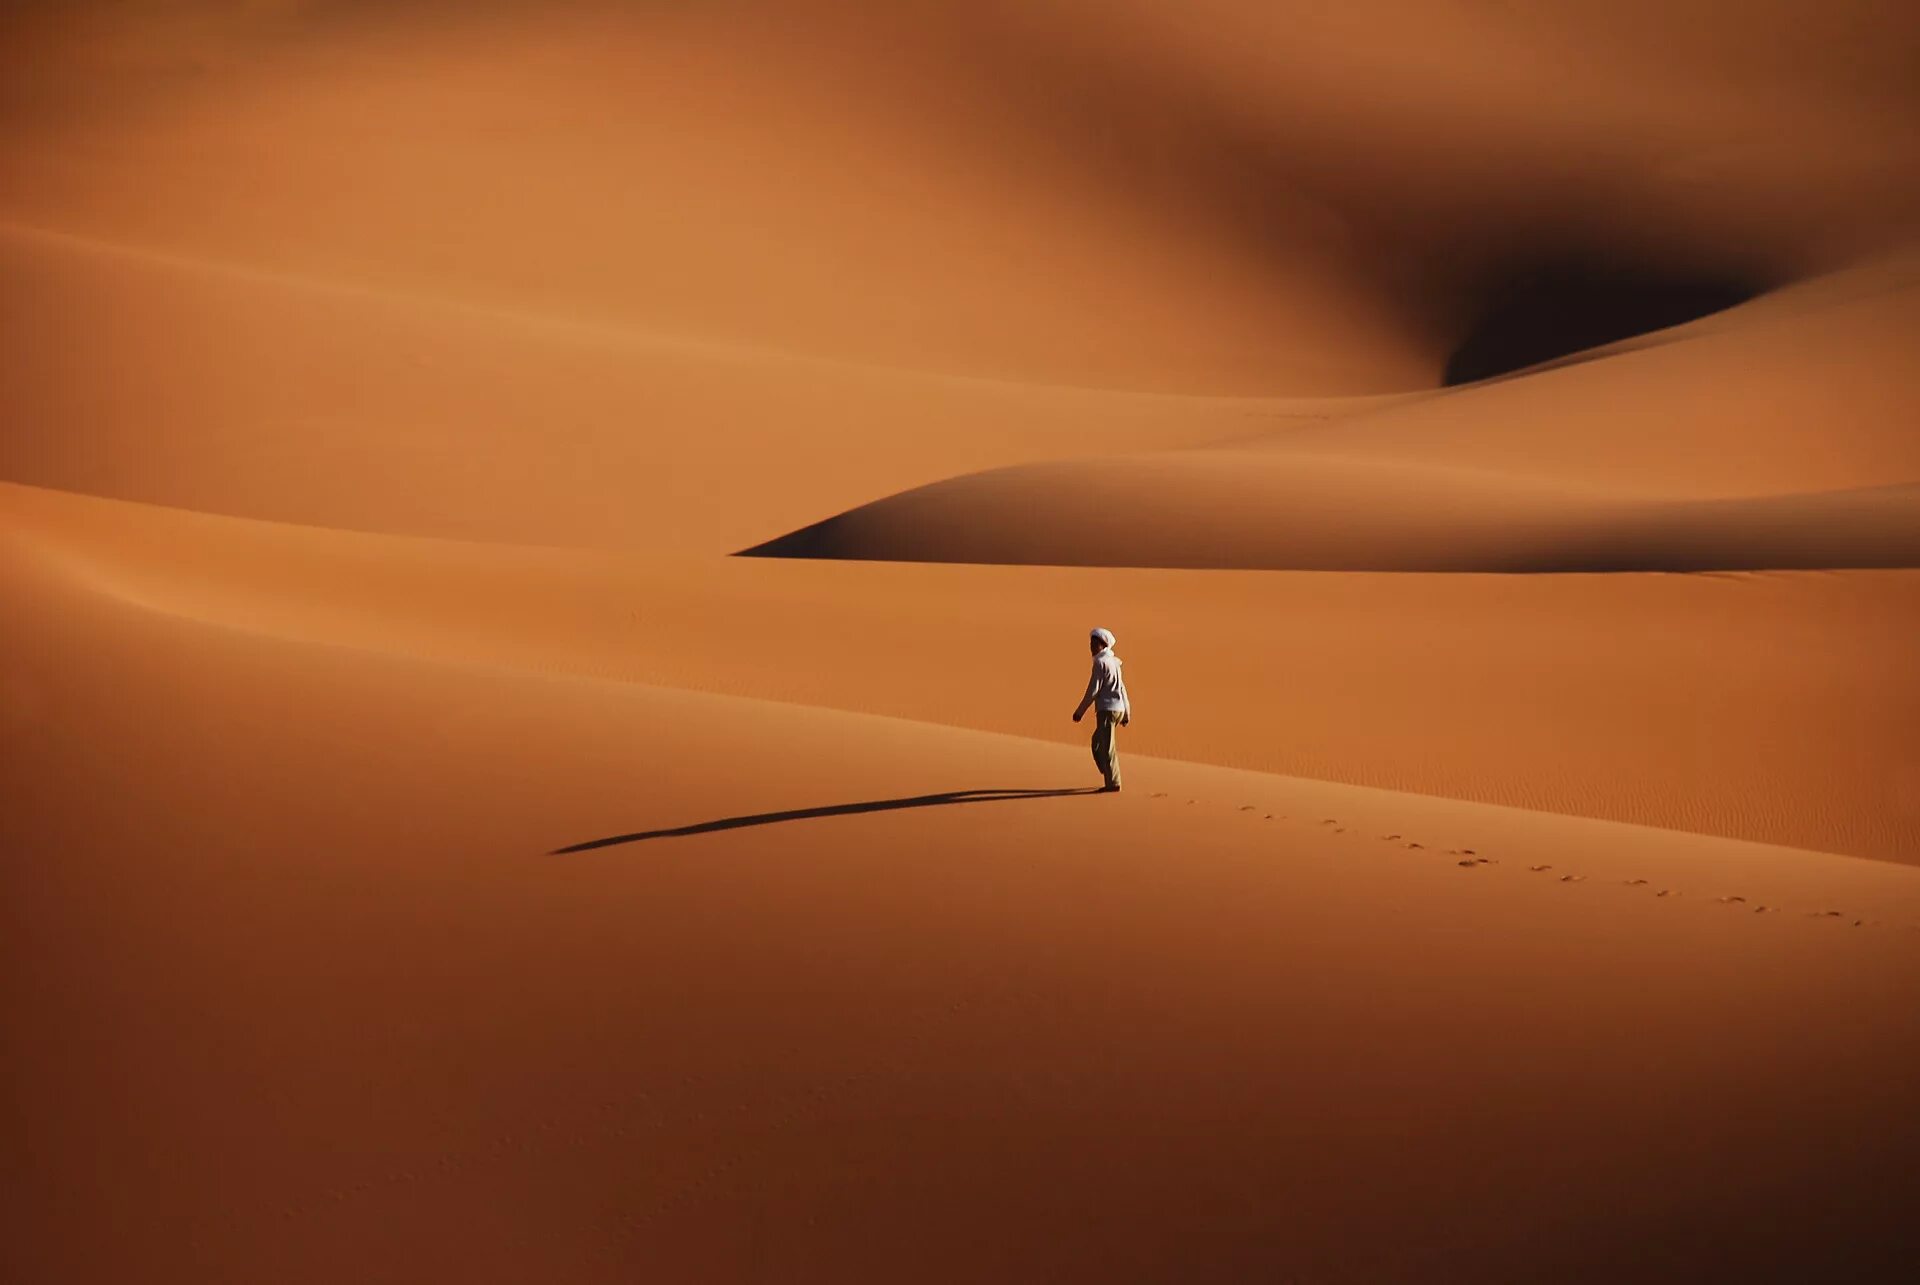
pixel 1102 738
pixel 1113 749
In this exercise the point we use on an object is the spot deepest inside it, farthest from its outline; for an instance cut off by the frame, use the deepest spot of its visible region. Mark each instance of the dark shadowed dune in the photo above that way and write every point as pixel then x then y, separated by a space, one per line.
pixel 1549 310
pixel 385 384
pixel 1247 511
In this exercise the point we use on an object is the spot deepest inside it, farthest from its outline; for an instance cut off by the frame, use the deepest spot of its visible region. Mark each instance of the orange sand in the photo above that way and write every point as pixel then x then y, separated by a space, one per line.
pixel 385 390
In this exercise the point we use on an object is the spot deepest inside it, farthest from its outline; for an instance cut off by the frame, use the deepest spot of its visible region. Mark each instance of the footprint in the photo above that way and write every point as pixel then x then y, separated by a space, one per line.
pixel 1824 914
pixel 1416 845
pixel 1664 892
pixel 1158 794
pixel 1538 869
pixel 1247 807
pixel 1728 901
pixel 1633 883
pixel 1468 852
pixel 1267 817
pixel 1759 910
pixel 1339 829
pixel 1330 821
pixel 1389 836
pixel 1573 878
pixel 1468 864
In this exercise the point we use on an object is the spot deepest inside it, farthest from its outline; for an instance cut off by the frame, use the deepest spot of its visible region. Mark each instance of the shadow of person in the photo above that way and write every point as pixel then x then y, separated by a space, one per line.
pixel 831 810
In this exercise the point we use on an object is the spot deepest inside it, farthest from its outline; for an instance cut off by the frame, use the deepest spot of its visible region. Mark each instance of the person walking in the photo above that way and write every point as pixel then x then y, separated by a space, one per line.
pixel 1107 693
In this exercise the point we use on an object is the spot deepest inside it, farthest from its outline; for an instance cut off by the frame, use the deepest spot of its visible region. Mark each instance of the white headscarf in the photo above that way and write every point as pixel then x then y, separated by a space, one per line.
pixel 1104 637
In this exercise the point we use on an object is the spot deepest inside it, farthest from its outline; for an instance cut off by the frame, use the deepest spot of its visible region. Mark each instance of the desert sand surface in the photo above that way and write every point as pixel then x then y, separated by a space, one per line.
pixel 433 852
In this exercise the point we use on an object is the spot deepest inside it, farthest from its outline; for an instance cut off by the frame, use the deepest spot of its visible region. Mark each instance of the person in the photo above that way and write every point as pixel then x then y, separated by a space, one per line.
pixel 1107 693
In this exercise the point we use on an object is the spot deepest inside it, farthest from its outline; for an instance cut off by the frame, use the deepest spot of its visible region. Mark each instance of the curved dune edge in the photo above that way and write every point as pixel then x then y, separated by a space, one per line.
pixel 284 398
pixel 1252 511
pixel 490 880
pixel 347 976
pixel 454 867
pixel 1528 691
pixel 1776 436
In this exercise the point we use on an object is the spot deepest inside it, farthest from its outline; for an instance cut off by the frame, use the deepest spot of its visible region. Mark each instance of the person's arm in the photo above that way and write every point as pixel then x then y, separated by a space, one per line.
pixel 1126 702
pixel 1093 685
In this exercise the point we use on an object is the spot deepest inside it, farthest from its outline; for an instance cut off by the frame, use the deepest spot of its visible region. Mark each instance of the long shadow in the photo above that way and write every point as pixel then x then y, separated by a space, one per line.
pixel 832 810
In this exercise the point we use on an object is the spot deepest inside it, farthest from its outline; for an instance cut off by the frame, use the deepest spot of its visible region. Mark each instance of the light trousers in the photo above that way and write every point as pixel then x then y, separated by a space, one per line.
pixel 1106 749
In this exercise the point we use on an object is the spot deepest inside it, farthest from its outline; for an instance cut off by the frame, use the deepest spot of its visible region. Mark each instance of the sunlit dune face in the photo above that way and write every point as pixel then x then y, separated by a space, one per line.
pixel 1209 197
pixel 1487 424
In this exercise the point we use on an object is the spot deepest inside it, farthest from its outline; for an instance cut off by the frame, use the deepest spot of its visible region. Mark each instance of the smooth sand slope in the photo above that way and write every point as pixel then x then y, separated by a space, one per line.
pixel 1794 691
pixel 299 990
pixel 197 383
pixel 430 854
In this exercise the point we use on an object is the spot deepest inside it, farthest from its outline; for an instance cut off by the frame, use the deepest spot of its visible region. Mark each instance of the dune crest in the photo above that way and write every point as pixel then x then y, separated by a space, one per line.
pixel 1773 437
pixel 431 855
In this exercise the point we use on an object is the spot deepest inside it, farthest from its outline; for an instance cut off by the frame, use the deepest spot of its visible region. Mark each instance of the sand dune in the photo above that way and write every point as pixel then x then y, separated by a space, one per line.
pixel 342 1008
pixel 1238 509
pixel 1776 436
pixel 431 855
pixel 254 393
pixel 1552 692
pixel 1240 199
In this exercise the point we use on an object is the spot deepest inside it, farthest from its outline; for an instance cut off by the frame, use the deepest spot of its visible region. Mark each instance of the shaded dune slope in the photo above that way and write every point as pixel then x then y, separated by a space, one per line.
pixel 1777 436
pixel 1237 198
pixel 1238 509
pixel 1241 203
